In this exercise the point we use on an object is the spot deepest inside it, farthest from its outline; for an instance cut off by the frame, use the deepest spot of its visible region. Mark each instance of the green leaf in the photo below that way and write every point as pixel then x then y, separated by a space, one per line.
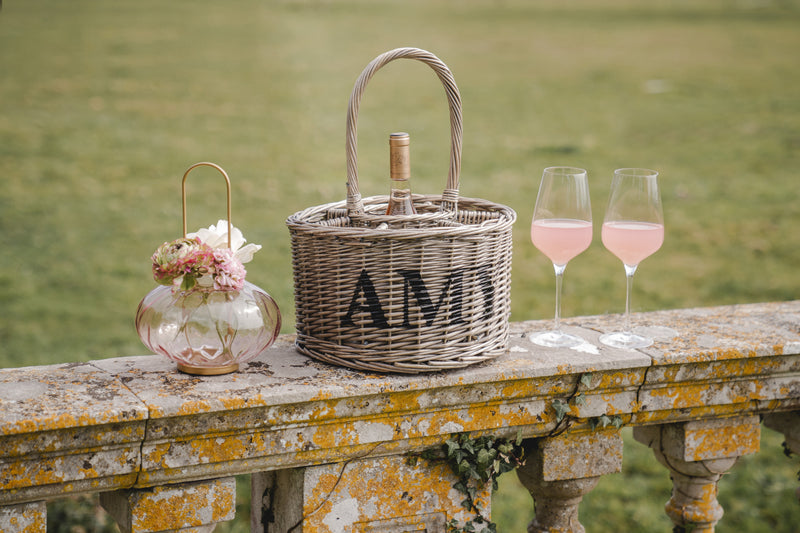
pixel 468 447
pixel 561 409
pixel 586 379
pixel 483 458
pixel 580 399
pixel 452 446
pixel 518 442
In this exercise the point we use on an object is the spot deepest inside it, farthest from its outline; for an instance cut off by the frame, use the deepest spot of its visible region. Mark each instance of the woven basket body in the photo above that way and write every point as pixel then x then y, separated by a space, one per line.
pixel 409 294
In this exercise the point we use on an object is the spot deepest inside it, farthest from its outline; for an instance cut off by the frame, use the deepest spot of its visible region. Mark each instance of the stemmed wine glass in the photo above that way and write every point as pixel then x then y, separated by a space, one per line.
pixel 633 229
pixel 561 229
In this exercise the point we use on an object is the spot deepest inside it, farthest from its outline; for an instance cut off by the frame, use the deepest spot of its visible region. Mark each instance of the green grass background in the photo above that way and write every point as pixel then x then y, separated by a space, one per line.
pixel 103 106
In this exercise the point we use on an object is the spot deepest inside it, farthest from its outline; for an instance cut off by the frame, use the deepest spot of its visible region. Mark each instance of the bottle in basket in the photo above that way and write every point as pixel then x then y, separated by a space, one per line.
pixel 400 173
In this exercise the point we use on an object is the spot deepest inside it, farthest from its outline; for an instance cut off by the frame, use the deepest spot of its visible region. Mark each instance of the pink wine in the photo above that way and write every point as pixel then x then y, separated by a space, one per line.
pixel 561 239
pixel 632 241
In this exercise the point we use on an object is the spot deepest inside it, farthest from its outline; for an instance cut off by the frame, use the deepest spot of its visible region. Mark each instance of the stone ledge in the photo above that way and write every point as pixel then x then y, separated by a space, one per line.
pixel 137 422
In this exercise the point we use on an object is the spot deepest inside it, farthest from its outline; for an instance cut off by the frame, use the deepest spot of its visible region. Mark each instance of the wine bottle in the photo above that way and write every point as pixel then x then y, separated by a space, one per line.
pixel 400 175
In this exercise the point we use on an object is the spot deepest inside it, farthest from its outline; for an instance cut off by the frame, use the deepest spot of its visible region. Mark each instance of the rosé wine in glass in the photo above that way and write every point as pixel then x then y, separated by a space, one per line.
pixel 561 239
pixel 632 241
pixel 561 229
pixel 633 229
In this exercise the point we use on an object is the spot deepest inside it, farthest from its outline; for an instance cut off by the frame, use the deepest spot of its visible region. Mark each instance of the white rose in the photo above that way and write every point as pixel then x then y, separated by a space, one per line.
pixel 217 237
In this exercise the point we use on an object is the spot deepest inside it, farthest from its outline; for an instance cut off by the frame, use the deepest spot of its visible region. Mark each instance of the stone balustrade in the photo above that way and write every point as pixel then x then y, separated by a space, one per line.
pixel 327 447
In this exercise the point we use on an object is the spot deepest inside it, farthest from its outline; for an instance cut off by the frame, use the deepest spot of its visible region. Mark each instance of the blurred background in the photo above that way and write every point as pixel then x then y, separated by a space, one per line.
pixel 104 105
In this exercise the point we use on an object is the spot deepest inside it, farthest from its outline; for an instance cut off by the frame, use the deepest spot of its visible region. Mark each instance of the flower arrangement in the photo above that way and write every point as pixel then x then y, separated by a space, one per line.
pixel 203 260
pixel 203 314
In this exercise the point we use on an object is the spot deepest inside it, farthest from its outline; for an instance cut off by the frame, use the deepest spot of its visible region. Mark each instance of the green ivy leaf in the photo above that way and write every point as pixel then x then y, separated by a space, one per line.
pixel 561 409
pixel 467 446
pixel 586 379
pixel 483 458
pixel 467 504
pixel 452 446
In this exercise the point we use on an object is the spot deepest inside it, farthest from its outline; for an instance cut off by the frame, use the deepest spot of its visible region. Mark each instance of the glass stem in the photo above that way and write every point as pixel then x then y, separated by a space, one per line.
pixel 559 269
pixel 629 272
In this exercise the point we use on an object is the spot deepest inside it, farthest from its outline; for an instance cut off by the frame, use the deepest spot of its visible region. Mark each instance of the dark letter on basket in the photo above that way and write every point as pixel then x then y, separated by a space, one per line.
pixel 413 280
pixel 373 307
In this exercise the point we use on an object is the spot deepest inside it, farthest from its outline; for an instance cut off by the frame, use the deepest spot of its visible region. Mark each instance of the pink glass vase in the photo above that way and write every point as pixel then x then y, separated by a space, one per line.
pixel 206 331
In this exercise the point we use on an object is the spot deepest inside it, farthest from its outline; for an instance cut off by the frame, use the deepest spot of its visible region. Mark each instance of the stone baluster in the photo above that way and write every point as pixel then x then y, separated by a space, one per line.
pixel 560 470
pixel 697 454
pixel 789 425
pixel 195 507
pixel 27 517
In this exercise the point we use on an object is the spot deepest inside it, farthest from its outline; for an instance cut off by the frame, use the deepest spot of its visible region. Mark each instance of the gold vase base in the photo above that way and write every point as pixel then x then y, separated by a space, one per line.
pixel 208 370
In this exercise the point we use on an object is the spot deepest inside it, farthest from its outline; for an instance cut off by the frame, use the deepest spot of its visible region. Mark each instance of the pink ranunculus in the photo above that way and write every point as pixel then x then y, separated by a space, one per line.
pixel 229 273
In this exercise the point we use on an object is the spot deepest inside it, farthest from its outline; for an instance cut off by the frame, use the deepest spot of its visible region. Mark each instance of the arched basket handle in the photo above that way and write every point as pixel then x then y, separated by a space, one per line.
pixel 227 189
pixel 355 205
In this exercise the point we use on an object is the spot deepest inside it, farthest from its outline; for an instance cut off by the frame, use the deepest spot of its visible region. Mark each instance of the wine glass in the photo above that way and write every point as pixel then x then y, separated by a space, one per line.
pixel 561 229
pixel 633 229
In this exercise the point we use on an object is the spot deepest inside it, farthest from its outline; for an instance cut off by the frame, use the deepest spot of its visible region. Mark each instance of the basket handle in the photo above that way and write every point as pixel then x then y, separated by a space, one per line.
pixel 227 188
pixel 355 204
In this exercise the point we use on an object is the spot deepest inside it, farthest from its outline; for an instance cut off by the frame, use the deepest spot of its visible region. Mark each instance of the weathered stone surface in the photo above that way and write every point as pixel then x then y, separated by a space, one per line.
pixel 559 470
pixel 182 507
pixel 66 428
pixel 24 518
pixel 579 455
pixel 789 425
pixel 376 494
pixel 137 422
pixel 697 454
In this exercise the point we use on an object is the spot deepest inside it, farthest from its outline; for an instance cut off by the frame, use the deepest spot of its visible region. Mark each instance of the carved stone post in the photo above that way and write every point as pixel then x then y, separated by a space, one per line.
pixel 560 470
pixel 27 517
pixel 697 454
pixel 789 425
pixel 383 494
pixel 187 507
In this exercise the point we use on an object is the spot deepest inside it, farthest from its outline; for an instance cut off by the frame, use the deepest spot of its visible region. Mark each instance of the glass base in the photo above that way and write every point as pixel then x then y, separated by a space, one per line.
pixel 629 341
pixel 208 370
pixel 555 339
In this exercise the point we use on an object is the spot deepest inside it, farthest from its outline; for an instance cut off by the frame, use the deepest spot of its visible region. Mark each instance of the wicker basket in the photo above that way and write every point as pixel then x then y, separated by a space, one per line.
pixel 408 294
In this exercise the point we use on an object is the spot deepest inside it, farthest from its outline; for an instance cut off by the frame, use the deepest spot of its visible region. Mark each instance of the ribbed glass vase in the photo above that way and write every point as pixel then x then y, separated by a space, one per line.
pixel 206 331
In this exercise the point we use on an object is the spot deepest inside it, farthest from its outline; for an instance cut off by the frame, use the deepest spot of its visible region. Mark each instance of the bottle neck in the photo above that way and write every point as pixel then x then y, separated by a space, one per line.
pixel 400 175
pixel 399 157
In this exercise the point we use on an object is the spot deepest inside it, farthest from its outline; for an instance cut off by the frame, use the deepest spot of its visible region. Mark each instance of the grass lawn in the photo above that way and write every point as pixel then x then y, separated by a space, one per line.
pixel 103 106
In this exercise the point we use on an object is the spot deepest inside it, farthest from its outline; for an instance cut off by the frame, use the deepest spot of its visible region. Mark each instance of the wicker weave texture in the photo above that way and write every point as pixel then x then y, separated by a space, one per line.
pixel 406 294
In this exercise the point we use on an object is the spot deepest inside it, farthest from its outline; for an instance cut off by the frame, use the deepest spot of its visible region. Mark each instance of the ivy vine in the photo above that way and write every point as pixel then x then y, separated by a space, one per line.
pixel 475 462
pixel 562 408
